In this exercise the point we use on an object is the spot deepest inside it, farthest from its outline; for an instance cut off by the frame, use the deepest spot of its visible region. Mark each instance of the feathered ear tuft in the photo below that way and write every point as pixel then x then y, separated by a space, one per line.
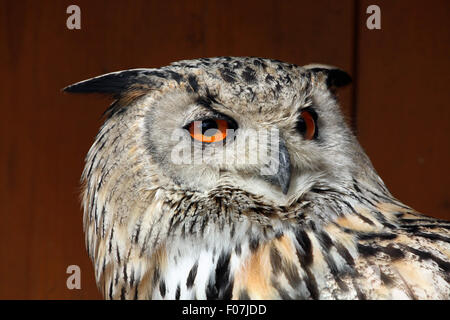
pixel 335 77
pixel 113 83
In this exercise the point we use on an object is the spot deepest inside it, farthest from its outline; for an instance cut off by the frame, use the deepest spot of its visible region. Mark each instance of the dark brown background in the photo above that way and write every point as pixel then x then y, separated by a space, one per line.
pixel 398 102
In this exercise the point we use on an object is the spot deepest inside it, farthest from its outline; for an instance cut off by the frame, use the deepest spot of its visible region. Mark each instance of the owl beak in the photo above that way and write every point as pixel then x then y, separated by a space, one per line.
pixel 283 176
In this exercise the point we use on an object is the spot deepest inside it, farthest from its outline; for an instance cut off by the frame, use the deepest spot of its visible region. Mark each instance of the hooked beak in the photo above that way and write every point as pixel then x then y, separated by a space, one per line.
pixel 282 177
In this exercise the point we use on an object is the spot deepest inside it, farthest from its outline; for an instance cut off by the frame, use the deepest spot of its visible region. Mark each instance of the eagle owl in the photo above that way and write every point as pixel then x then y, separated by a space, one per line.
pixel 308 217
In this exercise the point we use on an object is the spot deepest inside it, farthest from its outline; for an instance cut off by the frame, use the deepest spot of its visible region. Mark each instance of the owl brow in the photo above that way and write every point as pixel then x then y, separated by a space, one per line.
pixel 205 102
pixel 208 101
pixel 306 105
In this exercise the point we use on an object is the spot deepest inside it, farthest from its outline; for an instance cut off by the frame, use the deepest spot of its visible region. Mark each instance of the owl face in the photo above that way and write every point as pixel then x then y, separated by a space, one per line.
pixel 267 127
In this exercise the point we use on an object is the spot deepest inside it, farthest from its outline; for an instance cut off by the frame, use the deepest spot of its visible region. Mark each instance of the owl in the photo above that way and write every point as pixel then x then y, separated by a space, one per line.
pixel 238 178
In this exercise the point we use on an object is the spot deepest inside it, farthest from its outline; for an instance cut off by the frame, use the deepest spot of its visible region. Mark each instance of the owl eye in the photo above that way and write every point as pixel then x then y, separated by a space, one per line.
pixel 210 130
pixel 306 124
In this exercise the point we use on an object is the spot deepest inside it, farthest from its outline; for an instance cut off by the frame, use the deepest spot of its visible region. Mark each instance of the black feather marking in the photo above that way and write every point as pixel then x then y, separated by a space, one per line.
pixel 125 275
pixel 132 277
pixel 278 234
pixel 303 240
pixel 220 285
pixel 162 288
pixel 325 240
pixel 349 206
pixel 410 228
pixel 284 295
pixel 387 280
pixel 375 235
pixel 367 251
pixel 381 218
pixel 269 78
pixel 211 290
pixel 116 279
pixel 414 227
pixel 238 249
pixel 278 87
pixel 156 276
pixel 393 252
pixel 253 244
pixel 292 274
pixel 287 79
pixel 311 284
pixel 204 102
pixel 228 75
pixel 122 293
pixel 424 220
pixel 379 196
pixel 243 295
pixel 118 254
pixel 334 271
pixel 158 74
pixel 138 231
pixel 343 252
pixel 91 166
pixel 233 230
pixel 193 82
pixel 432 236
pixel 249 75
pixel 222 276
pixel 227 293
pixel 365 219
pixel 424 255
pixel 359 293
pixel 390 250
pixel 355 186
pixel 191 277
pixel 368 201
pixel 177 293
pixel 306 258
pixel 175 76
pixel 110 290
pixel 237 65
pixel 275 260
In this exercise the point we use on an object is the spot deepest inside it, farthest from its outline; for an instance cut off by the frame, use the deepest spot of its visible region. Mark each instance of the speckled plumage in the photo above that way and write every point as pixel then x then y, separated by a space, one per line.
pixel 221 230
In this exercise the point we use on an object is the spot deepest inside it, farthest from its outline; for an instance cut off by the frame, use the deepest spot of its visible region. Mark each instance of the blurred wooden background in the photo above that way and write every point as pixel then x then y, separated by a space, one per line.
pixel 398 102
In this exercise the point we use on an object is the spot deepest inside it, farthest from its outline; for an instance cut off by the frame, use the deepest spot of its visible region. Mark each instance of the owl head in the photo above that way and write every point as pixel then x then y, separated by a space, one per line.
pixel 235 177
pixel 267 127
pixel 212 154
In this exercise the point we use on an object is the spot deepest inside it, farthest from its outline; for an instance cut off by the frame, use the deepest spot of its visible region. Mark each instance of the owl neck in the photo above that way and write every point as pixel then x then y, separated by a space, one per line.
pixel 218 253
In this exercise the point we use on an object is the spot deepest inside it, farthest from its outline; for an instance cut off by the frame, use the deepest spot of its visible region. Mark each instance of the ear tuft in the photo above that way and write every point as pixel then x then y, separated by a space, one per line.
pixel 335 77
pixel 338 78
pixel 112 83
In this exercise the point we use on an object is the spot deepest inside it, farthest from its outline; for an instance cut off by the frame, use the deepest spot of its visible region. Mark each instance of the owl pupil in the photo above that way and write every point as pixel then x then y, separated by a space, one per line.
pixel 301 126
pixel 209 127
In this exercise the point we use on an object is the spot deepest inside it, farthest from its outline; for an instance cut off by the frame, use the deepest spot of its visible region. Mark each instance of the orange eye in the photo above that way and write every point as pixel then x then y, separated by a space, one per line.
pixel 307 124
pixel 210 130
